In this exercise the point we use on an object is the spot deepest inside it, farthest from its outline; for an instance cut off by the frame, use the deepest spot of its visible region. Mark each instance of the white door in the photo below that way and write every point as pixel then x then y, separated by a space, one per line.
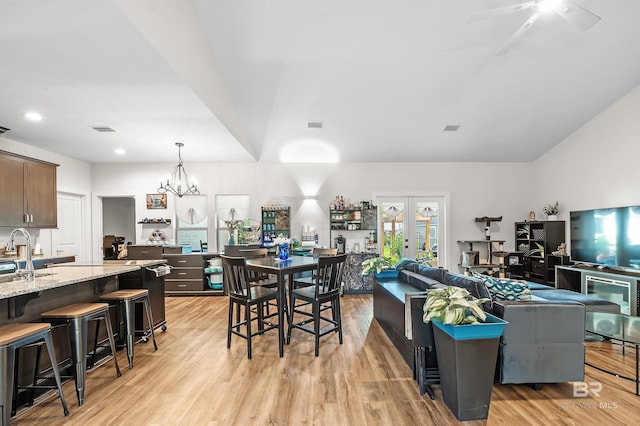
pixel 67 239
pixel 413 227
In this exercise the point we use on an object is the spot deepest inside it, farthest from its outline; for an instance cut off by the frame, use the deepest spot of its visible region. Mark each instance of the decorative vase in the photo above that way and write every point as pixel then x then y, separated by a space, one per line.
pixel 283 251
pixel 552 217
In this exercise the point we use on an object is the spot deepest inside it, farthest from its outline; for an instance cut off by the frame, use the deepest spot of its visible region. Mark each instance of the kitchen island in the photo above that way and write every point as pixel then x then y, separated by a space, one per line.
pixel 24 300
pixel 56 287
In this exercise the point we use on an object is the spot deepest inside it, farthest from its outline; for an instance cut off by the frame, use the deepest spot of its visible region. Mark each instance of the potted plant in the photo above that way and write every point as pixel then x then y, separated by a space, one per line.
pixel 382 267
pixel 551 210
pixel 466 340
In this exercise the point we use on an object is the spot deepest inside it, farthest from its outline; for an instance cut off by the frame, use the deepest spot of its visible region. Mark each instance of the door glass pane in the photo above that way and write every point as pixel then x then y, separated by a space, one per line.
pixel 426 241
pixel 393 230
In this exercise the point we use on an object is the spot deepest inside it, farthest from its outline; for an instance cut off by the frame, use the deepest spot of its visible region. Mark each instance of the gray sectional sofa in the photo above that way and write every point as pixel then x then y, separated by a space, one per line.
pixel 543 342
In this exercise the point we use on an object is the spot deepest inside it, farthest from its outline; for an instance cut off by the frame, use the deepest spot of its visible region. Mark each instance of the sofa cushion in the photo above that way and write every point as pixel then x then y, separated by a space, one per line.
pixel 593 304
pixel 420 282
pixel 475 286
pixel 437 274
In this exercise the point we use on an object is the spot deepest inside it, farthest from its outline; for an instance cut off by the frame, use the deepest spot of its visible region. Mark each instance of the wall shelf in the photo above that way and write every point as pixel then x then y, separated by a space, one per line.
pixel 155 222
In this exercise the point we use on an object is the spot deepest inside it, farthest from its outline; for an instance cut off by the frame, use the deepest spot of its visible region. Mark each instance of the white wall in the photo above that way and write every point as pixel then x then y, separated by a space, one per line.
pixel 596 166
pixel 476 189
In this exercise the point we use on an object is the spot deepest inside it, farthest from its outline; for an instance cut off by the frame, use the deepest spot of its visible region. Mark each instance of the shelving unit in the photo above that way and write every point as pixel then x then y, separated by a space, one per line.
pixel 551 262
pixel 213 279
pixel 493 251
pixel 275 222
pixel 535 240
pixel 343 221
pixel 155 222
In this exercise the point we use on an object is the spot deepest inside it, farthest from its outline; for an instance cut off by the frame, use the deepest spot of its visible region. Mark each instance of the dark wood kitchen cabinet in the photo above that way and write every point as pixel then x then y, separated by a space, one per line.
pixel 28 191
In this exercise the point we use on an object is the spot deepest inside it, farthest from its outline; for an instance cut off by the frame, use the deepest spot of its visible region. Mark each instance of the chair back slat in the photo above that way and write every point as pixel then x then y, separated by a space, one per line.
pixel 253 253
pixel 236 275
pixel 318 251
pixel 256 253
pixel 329 274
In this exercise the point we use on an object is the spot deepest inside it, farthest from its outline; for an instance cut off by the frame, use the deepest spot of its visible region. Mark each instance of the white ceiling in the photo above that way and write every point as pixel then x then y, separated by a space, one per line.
pixel 238 80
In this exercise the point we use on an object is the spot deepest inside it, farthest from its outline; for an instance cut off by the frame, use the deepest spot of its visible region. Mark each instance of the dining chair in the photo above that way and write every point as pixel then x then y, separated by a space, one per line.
pixel 317 252
pixel 244 295
pixel 322 296
pixel 258 278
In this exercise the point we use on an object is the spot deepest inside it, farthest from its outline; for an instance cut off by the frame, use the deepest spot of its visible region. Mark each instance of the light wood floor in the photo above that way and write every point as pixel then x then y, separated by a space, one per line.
pixel 194 380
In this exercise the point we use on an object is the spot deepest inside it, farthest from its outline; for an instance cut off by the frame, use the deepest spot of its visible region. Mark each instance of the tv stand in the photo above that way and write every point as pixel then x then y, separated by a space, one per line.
pixel 615 285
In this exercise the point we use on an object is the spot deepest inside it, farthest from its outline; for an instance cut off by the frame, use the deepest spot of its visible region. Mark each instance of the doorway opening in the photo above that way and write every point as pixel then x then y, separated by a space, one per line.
pixel 118 225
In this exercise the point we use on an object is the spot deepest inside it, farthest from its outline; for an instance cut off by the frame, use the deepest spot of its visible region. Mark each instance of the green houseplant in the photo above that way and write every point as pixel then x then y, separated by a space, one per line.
pixel 453 305
pixel 466 341
pixel 376 264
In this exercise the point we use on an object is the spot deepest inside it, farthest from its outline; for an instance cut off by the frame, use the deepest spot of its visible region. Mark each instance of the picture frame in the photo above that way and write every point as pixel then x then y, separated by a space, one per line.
pixel 156 201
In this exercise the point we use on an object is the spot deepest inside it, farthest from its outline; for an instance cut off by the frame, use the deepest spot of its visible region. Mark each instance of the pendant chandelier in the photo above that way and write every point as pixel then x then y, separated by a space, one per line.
pixel 179 180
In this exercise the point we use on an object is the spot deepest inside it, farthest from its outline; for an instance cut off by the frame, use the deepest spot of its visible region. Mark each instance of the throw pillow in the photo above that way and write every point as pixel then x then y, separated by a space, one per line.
pixel 508 289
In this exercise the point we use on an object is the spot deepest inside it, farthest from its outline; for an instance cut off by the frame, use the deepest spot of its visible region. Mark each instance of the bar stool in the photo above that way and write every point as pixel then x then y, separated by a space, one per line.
pixel 13 337
pixel 77 316
pixel 128 299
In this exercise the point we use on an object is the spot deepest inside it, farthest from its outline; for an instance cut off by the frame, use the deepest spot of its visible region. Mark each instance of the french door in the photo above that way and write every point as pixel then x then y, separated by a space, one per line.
pixel 413 227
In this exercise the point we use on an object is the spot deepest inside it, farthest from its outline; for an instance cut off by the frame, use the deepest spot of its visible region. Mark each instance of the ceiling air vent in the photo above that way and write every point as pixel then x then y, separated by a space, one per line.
pixel 314 125
pixel 3 129
pixel 451 127
pixel 103 129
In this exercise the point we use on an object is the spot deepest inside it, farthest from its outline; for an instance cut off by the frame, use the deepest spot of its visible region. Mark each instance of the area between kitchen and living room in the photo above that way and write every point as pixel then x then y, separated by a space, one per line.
pixel 548 178
pixel 391 220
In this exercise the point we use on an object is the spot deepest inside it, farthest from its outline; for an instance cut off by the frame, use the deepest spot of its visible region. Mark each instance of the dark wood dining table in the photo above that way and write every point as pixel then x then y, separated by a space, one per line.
pixel 282 269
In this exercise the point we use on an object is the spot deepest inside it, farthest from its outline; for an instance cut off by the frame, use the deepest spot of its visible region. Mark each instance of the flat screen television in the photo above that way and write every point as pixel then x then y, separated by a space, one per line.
pixel 609 237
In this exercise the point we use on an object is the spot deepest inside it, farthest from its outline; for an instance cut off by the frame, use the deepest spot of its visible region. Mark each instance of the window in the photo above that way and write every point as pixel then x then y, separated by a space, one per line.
pixel 192 220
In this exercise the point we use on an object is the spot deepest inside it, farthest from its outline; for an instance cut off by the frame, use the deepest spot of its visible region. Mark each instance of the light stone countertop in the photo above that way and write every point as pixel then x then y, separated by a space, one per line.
pixel 141 263
pixel 60 276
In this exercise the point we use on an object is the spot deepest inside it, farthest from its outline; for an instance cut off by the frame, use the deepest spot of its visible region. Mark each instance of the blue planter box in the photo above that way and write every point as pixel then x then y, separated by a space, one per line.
pixel 387 273
pixel 491 328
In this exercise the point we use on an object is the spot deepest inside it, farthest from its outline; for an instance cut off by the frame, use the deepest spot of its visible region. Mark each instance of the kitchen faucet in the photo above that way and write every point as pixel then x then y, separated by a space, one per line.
pixel 28 270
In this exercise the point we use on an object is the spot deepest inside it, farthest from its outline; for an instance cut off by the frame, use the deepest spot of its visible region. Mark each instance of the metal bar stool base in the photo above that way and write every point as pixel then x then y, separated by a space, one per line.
pixel 77 316
pixel 128 299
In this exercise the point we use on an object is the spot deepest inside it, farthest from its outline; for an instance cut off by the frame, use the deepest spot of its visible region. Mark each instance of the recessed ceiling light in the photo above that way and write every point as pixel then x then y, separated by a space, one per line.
pixel 120 151
pixel 33 116
pixel 451 127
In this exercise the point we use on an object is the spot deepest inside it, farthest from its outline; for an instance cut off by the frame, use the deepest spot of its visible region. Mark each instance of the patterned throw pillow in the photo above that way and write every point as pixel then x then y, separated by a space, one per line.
pixel 507 289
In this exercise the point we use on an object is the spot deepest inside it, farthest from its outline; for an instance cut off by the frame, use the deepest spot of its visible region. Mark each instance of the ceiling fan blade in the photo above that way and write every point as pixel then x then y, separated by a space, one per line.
pixel 487 14
pixel 577 16
pixel 507 45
